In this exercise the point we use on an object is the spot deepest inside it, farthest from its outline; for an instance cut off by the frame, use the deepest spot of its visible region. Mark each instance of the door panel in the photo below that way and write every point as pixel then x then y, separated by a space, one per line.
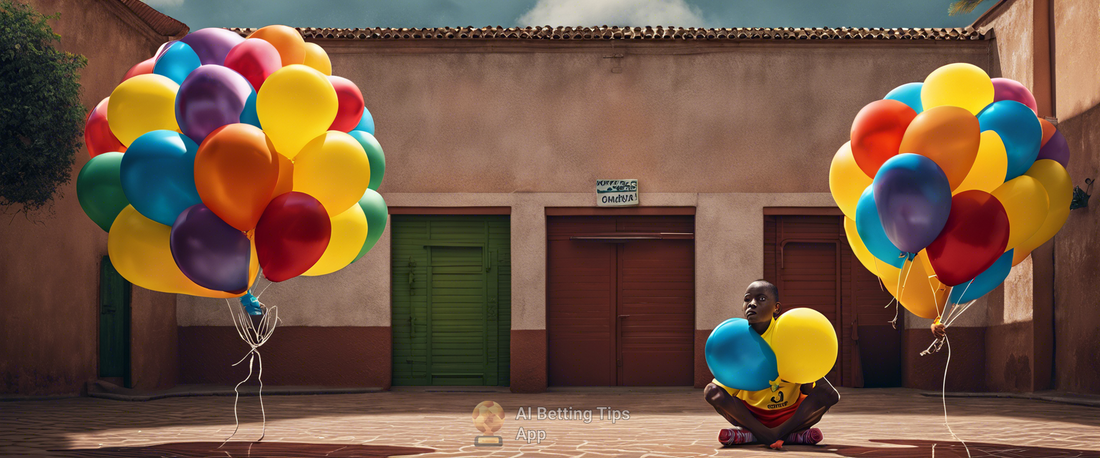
pixel 808 277
pixel 457 317
pixel 581 287
pixel 657 305
pixel 114 324
pixel 620 313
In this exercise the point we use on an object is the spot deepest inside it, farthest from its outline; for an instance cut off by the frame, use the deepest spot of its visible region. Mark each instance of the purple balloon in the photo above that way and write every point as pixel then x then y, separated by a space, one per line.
pixel 1007 89
pixel 212 96
pixel 1056 148
pixel 212 44
pixel 209 251
pixel 913 198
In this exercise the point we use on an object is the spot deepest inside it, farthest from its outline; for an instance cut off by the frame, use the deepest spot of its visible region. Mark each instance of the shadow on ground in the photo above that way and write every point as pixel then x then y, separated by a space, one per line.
pixel 245 449
pixel 923 449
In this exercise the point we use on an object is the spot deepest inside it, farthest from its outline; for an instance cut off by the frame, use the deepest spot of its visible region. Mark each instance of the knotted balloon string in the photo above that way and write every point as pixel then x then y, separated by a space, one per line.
pixel 953 314
pixel 255 335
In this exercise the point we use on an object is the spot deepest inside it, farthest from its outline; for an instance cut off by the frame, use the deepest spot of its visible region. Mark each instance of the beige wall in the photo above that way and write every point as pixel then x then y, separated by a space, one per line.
pixel 1077 51
pixel 50 270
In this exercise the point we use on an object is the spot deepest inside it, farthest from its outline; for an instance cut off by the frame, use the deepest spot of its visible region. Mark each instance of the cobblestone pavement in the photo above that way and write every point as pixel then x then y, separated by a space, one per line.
pixel 661 423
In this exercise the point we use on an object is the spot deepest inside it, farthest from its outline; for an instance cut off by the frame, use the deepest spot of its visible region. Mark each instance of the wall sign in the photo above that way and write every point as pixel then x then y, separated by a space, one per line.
pixel 616 193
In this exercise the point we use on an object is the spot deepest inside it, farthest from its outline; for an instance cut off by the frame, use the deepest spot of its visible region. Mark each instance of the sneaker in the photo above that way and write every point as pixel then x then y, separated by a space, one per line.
pixel 734 436
pixel 805 437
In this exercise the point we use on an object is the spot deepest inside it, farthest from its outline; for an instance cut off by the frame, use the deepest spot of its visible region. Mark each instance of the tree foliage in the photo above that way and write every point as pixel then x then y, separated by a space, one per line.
pixel 41 117
pixel 963 6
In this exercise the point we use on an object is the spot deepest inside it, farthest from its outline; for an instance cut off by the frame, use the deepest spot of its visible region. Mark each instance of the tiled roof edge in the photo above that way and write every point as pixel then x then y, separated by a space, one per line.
pixel 160 23
pixel 658 33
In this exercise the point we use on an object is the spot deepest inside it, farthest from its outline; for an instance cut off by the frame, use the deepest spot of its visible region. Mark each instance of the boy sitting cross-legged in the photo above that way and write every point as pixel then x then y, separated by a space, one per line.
pixel 785 415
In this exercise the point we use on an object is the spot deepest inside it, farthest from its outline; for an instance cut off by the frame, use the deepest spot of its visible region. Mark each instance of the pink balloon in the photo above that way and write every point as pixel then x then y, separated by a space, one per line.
pixel 255 60
pixel 1006 89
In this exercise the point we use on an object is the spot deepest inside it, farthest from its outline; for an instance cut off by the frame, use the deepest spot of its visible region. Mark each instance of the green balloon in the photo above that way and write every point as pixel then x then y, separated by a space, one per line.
pixel 375 208
pixel 99 189
pixel 374 155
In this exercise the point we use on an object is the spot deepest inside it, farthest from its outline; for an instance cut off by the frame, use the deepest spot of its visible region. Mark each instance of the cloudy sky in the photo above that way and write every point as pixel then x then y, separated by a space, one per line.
pixel 684 13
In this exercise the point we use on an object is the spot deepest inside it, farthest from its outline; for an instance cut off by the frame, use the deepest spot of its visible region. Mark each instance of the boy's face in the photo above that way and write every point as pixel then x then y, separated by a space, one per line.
pixel 760 304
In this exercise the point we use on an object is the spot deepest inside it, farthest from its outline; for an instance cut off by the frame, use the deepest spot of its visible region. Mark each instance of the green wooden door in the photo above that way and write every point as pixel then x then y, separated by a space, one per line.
pixel 114 324
pixel 451 322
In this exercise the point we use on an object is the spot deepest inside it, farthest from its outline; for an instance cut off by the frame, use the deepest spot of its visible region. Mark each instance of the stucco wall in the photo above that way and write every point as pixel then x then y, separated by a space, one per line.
pixel 50 270
pixel 1077 50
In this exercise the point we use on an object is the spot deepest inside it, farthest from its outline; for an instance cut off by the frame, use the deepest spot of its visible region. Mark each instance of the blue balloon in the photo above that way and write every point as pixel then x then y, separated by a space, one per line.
pixel 869 227
pixel 913 198
pixel 909 94
pixel 366 123
pixel 1019 130
pixel 984 283
pixel 176 62
pixel 248 115
pixel 739 358
pixel 158 175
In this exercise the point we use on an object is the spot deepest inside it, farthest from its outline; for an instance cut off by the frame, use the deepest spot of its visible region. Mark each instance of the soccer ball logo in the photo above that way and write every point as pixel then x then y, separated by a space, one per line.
pixel 488 417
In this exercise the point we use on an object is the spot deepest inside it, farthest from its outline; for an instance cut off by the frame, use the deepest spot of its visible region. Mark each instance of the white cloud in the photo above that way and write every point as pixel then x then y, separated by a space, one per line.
pixel 613 12
pixel 164 3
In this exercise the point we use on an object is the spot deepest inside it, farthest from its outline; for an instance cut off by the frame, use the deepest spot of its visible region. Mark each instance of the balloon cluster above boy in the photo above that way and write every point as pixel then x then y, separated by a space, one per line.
pixel 221 155
pixel 948 183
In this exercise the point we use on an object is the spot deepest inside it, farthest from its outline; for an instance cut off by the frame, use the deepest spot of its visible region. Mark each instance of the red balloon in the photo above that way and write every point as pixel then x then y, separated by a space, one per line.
pixel 291 236
pixel 98 135
pixel 350 111
pixel 141 68
pixel 877 132
pixel 975 236
pixel 255 60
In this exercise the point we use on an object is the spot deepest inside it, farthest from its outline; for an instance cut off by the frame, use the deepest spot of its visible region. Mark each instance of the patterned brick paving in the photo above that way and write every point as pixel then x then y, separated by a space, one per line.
pixel 662 423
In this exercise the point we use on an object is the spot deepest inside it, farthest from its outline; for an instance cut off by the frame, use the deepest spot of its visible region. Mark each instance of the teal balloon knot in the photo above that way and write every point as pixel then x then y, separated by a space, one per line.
pixel 251 304
pixel 910 256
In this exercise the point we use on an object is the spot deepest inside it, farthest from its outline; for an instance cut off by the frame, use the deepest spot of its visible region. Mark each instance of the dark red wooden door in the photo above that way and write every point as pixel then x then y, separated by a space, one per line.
pixel 809 259
pixel 620 301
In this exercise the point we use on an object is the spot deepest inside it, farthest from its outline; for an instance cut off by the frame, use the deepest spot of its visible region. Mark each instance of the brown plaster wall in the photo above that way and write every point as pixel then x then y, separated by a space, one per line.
pixel 968 355
pixel 528 361
pixel 1077 51
pixel 359 356
pixel 50 270
pixel 154 359
pixel 1008 361
pixel 1076 321
pixel 542 117
pixel 702 371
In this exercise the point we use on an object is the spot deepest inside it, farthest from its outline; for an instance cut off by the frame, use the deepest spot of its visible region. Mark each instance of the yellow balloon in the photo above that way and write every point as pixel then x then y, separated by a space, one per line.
pixel 920 293
pixel 141 252
pixel 349 231
pixel 1059 189
pixel 960 84
pixel 805 345
pixel 334 169
pixel 295 105
pixel 141 104
pixel 862 253
pixel 990 166
pixel 317 58
pixel 847 181
pixel 1026 202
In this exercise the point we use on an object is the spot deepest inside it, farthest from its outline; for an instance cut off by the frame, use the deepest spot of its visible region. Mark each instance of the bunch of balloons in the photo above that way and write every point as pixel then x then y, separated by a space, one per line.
pixel 802 349
pixel 948 183
pixel 220 156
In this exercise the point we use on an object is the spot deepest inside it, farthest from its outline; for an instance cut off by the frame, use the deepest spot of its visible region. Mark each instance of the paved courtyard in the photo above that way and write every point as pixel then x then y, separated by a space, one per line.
pixel 661 423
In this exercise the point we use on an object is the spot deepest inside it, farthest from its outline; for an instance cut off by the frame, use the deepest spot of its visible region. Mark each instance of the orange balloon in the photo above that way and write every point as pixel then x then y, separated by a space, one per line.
pixel 289 43
pixel 286 176
pixel 949 136
pixel 235 174
pixel 1048 131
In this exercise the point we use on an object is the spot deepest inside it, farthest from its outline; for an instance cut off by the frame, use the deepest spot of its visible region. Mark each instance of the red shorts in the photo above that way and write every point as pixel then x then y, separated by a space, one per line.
pixel 773 418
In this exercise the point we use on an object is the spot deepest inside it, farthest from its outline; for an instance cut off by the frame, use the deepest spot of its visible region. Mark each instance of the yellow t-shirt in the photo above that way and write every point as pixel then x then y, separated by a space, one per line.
pixel 785 395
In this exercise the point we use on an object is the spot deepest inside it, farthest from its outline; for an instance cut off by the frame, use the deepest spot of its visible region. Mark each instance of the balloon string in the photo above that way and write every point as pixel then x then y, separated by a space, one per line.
pixel 255 336
pixel 900 289
pixel 943 398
